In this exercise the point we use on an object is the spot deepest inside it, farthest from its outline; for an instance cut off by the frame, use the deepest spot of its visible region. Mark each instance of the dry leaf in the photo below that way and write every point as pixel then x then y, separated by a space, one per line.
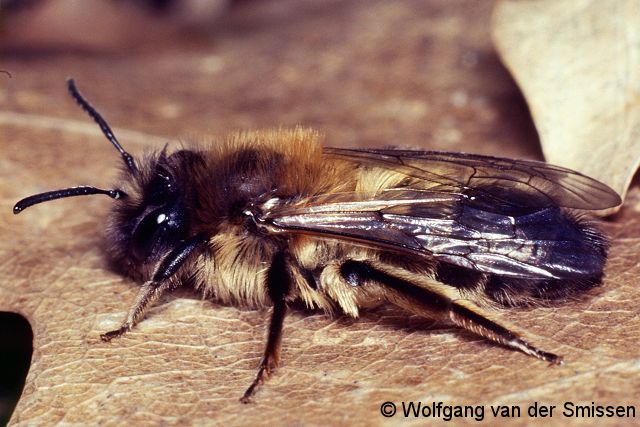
pixel 436 82
pixel 578 64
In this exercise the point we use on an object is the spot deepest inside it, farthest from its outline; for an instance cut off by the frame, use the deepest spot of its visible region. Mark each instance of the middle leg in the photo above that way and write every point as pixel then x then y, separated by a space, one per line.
pixel 279 282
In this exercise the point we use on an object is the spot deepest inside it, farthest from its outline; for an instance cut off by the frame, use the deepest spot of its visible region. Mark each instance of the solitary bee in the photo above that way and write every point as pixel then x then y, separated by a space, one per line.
pixel 268 218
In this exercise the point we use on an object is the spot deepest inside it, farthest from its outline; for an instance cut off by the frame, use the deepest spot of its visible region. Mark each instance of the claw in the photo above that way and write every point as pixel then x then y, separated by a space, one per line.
pixel 108 336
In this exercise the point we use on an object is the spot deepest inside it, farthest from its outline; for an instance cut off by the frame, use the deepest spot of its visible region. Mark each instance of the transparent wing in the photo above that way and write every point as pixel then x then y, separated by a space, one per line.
pixel 489 214
pixel 496 180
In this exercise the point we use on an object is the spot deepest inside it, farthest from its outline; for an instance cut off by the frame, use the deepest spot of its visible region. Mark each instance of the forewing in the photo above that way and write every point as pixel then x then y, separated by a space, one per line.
pixel 495 180
pixel 448 227
pixel 485 213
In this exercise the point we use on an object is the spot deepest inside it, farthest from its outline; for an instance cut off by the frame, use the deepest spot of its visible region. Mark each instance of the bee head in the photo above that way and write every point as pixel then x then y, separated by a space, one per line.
pixel 156 214
pixel 150 216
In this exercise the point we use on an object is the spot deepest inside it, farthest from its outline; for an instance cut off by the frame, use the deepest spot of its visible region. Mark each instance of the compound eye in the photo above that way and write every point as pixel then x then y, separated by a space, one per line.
pixel 148 233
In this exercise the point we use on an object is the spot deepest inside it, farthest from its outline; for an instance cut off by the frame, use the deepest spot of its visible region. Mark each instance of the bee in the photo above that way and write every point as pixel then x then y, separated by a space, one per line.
pixel 269 218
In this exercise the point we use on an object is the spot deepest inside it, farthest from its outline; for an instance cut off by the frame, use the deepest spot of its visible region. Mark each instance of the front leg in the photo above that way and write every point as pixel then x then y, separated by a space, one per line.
pixel 147 296
pixel 153 289
pixel 279 283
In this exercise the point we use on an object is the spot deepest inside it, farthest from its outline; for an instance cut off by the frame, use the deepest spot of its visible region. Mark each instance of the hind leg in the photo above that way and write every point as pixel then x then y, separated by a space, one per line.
pixel 434 300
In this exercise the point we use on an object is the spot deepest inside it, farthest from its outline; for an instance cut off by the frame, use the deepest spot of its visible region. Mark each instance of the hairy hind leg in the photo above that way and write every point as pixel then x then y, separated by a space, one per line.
pixel 429 298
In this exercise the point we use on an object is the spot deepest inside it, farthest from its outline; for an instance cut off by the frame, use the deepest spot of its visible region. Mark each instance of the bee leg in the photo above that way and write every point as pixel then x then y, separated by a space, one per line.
pixel 469 316
pixel 148 294
pixel 429 298
pixel 153 289
pixel 279 286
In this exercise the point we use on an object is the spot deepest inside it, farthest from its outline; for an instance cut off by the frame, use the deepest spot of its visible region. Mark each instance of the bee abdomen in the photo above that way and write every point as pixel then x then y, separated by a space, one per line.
pixel 577 260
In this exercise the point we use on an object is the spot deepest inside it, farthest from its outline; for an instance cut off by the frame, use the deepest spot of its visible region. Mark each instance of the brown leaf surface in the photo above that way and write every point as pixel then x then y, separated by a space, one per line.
pixel 578 64
pixel 404 73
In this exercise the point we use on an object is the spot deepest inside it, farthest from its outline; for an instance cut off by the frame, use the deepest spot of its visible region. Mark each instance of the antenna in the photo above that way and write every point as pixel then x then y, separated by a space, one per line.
pixel 106 130
pixel 65 192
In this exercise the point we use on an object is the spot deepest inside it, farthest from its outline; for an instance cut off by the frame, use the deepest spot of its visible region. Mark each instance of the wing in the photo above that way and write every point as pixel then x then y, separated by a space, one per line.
pixel 495 179
pixel 489 214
